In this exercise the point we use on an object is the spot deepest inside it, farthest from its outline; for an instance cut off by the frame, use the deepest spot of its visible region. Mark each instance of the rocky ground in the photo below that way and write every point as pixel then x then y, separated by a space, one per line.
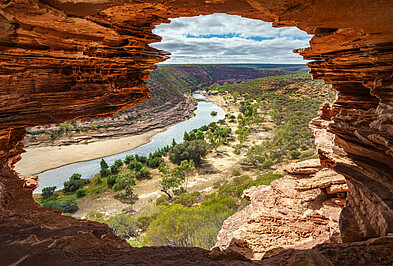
pixel 126 123
pixel 297 211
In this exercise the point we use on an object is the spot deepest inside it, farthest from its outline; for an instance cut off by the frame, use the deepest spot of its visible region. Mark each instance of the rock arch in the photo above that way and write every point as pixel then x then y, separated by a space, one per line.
pixel 62 60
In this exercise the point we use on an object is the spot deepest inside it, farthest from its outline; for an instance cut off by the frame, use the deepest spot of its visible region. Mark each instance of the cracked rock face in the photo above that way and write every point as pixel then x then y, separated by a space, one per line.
pixel 61 60
pixel 296 211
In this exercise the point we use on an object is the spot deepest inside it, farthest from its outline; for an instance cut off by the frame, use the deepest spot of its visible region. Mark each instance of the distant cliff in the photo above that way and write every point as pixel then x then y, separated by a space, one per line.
pixel 169 103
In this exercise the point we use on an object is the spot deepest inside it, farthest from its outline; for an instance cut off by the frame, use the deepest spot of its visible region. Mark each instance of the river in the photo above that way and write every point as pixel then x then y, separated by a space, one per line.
pixel 56 177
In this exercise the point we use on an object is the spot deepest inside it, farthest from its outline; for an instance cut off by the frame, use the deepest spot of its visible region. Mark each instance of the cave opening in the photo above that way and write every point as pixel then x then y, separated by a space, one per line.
pixel 53 52
pixel 267 99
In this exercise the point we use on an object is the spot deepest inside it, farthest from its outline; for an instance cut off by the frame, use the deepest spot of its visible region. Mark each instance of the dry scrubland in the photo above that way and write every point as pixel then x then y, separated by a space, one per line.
pixel 266 127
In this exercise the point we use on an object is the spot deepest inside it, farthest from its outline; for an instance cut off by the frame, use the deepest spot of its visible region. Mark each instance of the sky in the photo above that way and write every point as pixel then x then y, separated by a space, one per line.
pixel 228 39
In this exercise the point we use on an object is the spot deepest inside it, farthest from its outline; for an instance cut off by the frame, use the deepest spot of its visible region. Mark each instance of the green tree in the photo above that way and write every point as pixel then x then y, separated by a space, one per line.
pixel 47 192
pixel 188 167
pixel 75 182
pixel 191 150
pixel 104 165
pixel 168 184
pixel 186 136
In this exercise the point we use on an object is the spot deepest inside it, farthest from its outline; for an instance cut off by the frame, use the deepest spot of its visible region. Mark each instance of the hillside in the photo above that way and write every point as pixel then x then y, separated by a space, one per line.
pixel 170 102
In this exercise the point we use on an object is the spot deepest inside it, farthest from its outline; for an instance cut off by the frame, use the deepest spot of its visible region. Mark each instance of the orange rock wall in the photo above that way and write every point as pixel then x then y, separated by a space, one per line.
pixel 61 60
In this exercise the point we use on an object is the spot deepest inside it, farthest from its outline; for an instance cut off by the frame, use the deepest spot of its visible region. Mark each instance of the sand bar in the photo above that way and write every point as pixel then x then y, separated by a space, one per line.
pixel 41 159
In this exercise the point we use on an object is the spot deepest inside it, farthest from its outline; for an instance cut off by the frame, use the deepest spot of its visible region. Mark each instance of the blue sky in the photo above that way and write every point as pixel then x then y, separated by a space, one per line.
pixel 222 39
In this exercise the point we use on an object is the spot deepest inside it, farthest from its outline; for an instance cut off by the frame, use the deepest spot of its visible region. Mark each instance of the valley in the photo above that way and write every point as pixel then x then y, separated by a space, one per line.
pixel 265 128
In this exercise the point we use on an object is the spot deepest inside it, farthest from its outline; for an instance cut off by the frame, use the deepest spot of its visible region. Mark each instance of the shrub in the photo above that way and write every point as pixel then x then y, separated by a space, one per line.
pixel 237 149
pixel 74 183
pixel 67 206
pixel 161 199
pixel 111 181
pixel 241 179
pixel 180 226
pixel 306 154
pixel 104 172
pixel 114 169
pixel 295 154
pixel 236 172
pixel 213 113
pixel 186 200
pixel 135 165
pixel 80 193
pixel 144 172
pixel 47 192
pixel 144 222
pixel 190 150
pixel 123 225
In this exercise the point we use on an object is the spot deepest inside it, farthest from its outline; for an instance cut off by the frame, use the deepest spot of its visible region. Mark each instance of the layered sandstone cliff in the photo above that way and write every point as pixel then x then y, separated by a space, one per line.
pixel 62 60
pixel 298 211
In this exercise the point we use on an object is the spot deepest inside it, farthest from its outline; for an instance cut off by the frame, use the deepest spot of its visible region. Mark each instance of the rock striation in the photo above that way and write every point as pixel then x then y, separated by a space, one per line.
pixel 62 60
pixel 297 211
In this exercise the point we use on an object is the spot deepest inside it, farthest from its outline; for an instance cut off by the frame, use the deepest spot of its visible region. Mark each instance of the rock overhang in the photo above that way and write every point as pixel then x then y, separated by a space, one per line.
pixel 62 60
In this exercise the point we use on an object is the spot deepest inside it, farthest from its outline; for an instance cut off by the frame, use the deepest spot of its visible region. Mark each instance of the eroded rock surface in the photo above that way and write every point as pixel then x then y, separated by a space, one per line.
pixel 297 211
pixel 61 60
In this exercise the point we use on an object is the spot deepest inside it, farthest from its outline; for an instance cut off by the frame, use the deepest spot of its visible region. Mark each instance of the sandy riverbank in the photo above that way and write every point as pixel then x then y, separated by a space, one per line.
pixel 38 160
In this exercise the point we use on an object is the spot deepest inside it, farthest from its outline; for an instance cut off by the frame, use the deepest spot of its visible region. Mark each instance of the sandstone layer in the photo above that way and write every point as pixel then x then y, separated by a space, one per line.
pixel 298 211
pixel 62 60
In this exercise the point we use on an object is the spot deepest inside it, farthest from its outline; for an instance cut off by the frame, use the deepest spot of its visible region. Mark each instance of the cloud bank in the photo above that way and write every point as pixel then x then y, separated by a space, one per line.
pixel 228 39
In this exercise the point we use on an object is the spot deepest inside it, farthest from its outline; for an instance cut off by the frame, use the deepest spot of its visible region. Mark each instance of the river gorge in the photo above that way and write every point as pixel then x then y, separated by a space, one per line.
pixel 57 176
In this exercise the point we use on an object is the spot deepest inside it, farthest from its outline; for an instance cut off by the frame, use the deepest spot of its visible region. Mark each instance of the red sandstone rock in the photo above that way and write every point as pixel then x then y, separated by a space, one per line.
pixel 61 60
pixel 305 167
pixel 283 216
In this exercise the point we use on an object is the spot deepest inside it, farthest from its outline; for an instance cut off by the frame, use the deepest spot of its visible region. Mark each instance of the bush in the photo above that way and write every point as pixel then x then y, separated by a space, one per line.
pixel 111 181
pixel 186 200
pixel 135 165
pixel 180 226
pixel 241 179
pixel 237 149
pixel 80 193
pixel 295 154
pixel 47 192
pixel 74 183
pixel 306 154
pixel 213 113
pixel 67 206
pixel 155 162
pixel 123 225
pixel 144 173
pixel 114 169
pixel 104 172
pixel 161 199
pixel 144 222
pixel 190 150
pixel 236 172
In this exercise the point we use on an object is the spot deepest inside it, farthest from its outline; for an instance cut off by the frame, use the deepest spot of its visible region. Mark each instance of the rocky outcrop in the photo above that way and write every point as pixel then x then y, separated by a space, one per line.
pixel 297 211
pixel 62 60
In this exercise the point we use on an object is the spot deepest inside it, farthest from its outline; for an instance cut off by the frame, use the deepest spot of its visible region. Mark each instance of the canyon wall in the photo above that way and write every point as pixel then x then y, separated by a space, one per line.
pixel 62 60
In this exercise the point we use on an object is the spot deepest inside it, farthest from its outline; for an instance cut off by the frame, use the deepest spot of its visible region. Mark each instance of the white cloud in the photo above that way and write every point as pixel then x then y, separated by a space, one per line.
pixel 221 38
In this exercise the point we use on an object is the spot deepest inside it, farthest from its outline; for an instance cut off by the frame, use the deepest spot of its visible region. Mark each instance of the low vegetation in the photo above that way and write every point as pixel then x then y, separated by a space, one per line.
pixel 185 218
